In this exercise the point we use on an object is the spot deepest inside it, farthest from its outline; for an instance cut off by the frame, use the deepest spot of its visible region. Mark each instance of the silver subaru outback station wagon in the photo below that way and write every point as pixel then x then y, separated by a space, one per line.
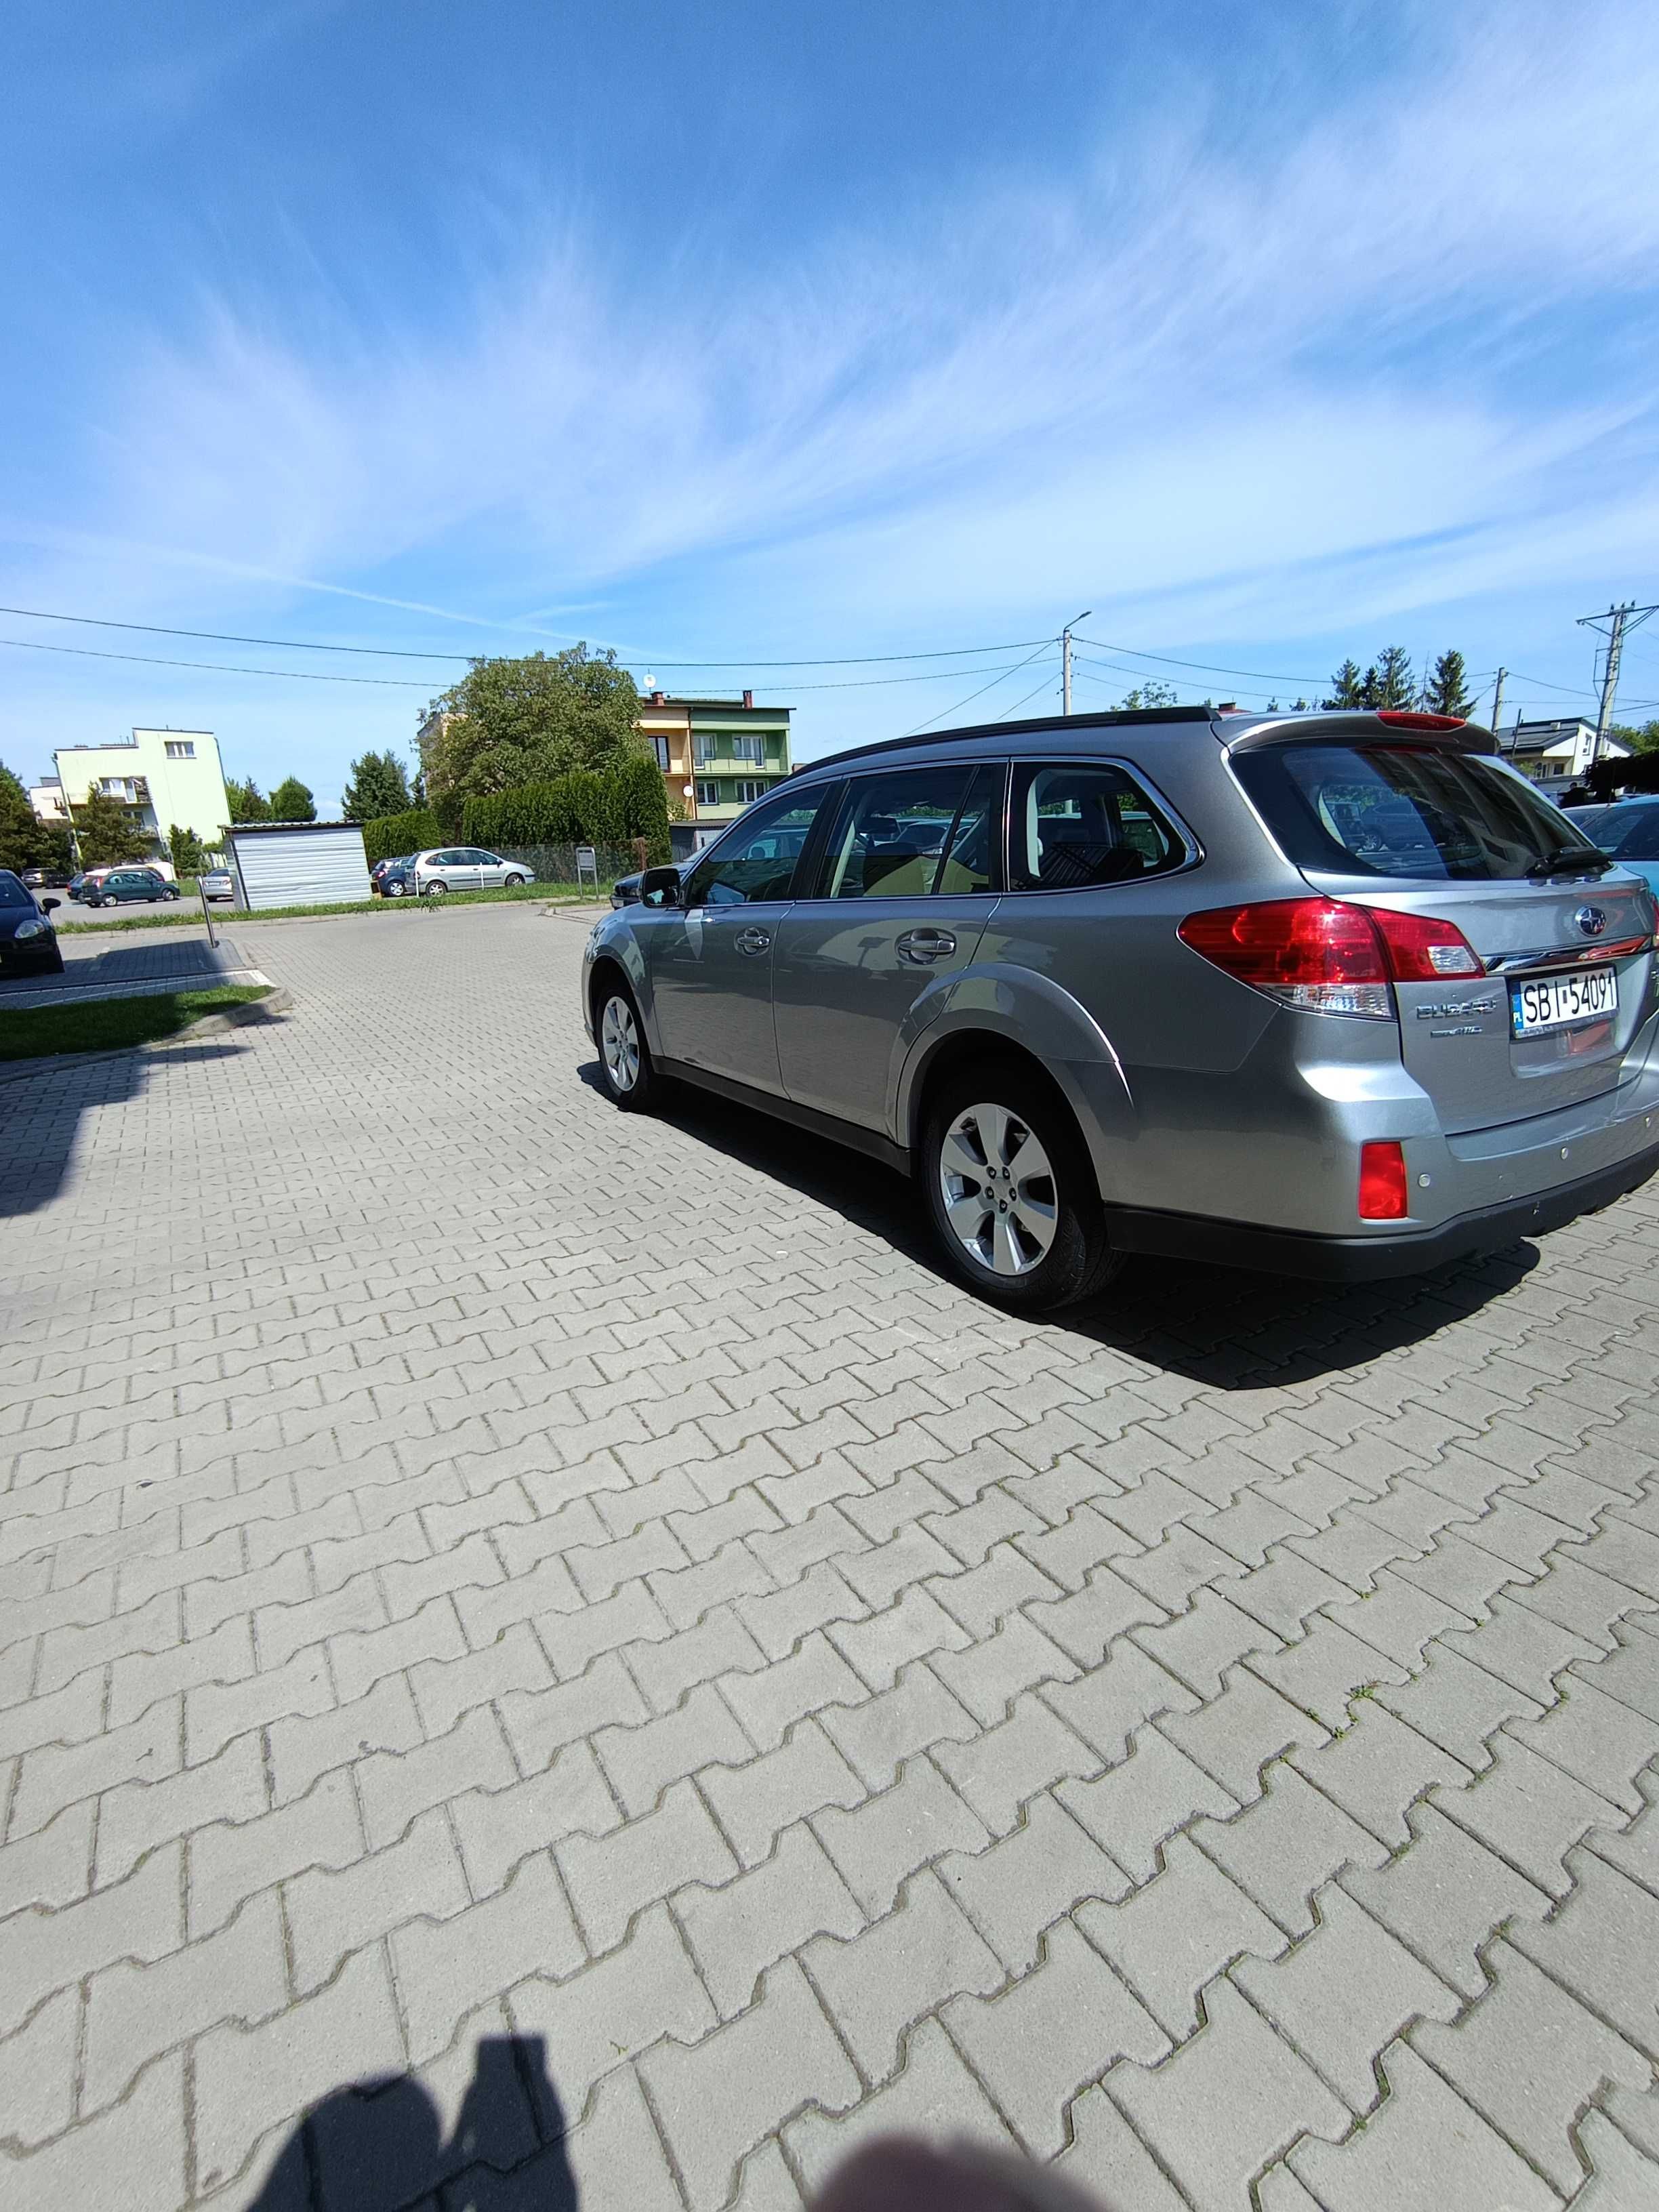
pixel 1330 995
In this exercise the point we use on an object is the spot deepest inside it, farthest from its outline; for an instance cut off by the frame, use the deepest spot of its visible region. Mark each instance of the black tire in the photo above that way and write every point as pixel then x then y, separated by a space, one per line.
pixel 393 891
pixel 613 1001
pixel 514 884
pixel 433 891
pixel 1064 1204
pixel 57 967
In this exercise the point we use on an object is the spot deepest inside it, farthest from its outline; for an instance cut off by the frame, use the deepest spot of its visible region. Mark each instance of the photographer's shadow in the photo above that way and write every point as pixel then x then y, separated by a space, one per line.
pixel 379 2146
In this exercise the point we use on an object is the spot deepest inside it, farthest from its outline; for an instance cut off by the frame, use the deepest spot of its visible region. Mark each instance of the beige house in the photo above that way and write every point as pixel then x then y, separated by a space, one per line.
pixel 167 778
pixel 717 755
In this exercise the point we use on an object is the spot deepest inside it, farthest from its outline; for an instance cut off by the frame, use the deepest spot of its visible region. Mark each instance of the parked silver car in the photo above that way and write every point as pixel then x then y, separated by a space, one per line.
pixel 1334 994
pixel 465 868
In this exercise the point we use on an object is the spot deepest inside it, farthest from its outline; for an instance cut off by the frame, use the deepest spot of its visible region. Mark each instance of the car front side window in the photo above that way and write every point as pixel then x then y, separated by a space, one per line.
pixel 759 862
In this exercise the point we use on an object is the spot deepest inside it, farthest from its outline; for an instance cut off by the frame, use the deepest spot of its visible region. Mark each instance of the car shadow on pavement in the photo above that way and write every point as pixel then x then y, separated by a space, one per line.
pixel 379 2146
pixel 41 1103
pixel 1223 1326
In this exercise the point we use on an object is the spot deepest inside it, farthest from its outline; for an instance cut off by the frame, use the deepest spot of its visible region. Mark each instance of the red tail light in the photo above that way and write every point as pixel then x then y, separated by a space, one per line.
pixel 1420 951
pixel 1401 718
pixel 1381 1182
pixel 1326 956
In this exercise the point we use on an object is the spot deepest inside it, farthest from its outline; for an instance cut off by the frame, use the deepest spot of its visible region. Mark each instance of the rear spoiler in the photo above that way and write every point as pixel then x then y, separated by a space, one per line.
pixel 1440 732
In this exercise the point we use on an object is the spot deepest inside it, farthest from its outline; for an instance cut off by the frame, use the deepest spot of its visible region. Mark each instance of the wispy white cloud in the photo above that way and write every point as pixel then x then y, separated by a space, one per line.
pixel 1232 351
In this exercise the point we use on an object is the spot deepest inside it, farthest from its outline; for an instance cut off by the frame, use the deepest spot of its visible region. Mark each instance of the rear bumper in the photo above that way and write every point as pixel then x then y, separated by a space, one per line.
pixel 1375 1258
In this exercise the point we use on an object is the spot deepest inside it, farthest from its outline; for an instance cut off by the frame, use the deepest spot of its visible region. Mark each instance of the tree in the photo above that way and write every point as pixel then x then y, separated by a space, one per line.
pixel 1347 687
pixel 246 803
pixel 292 801
pixel 1644 739
pixel 189 855
pixel 378 786
pixel 513 722
pixel 393 835
pixel 21 835
pixel 1447 688
pixel 108 833
pixel 1394 687
pixel 1149 695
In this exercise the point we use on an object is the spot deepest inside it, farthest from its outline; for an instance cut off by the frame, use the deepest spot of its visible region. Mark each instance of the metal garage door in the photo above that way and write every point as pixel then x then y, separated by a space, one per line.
pixel 320 864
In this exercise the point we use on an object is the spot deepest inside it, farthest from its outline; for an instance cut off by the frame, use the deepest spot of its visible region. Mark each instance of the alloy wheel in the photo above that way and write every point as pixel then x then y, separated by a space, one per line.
pixel 998 1185
pixel 619 1042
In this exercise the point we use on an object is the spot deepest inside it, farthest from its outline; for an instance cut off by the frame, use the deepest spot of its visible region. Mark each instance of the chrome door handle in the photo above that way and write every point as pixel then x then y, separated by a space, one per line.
pixel 921 945
pixel 752 939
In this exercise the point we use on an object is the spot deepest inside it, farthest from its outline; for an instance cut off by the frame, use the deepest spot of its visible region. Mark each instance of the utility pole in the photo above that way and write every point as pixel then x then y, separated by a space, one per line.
pixel 1619 619
pixel 1498 705
pixel 1066 659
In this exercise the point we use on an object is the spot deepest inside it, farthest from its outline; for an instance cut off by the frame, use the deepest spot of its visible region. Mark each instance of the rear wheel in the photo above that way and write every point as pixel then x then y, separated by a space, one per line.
pixel 1011 1190
pixel 392 890
pixel 433 891
pixel 626 1072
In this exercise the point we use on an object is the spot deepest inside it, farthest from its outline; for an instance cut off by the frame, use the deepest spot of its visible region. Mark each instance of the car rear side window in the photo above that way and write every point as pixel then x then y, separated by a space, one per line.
pixel 1404 811
pixel 912 833
pixel 1073 825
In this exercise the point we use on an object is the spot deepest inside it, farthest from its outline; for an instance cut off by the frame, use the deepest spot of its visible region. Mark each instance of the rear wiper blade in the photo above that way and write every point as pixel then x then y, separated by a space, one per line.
pixel 1570 864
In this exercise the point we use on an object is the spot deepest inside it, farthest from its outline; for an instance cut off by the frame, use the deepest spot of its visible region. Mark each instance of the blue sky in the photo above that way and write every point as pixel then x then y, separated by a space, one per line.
pixel 749 333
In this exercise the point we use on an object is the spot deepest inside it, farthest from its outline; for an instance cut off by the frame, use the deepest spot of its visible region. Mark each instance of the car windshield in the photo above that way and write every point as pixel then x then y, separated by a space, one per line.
pixel 1407 811
pixel 12 892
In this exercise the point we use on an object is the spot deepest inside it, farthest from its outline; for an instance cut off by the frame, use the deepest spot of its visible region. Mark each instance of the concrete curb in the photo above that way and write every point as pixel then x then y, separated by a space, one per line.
pixel 233 1018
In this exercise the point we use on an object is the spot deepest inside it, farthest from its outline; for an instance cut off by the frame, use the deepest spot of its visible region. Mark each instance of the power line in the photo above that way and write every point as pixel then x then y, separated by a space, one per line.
pixel 1025 702
pixel 223 668
pixel 1205 667
pixel 420 652
pixel 417 683
pixel 991 686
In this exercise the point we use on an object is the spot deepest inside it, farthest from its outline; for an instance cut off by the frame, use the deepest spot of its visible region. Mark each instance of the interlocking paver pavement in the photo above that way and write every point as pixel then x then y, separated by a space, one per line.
pixel 574 1617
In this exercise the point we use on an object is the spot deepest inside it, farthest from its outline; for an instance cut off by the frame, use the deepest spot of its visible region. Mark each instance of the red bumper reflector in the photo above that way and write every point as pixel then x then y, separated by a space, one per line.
pixel 1381 1182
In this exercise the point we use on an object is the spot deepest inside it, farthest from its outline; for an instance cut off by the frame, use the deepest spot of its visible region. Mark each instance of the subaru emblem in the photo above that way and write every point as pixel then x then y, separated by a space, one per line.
pixel 1591 921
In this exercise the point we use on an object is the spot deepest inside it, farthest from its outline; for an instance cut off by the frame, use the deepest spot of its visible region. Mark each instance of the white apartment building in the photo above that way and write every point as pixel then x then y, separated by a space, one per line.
pixel 167 777
pixel 46 798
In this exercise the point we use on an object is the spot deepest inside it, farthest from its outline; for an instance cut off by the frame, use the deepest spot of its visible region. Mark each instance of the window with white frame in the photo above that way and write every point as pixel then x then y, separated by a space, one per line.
pixel 660 746
pixel 752 750
pixel 709 794
pixel 180 749
pixel 747 789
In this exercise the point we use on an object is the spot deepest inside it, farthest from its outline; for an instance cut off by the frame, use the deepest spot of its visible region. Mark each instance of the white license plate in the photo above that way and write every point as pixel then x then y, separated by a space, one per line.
pixel 1560 1001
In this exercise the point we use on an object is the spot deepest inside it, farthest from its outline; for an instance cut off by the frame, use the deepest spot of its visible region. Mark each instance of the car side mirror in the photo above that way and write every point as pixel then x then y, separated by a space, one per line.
pixel 49 906
pixel 659 887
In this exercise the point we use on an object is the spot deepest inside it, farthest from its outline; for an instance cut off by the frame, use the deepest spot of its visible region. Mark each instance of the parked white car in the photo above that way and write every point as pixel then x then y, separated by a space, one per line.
pixel 465 868
pixel 217 884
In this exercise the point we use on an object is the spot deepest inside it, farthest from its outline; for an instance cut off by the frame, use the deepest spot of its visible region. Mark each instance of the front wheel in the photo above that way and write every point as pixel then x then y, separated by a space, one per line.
pixel 626 1073
pixel 1011 1191
pixel 433 891
pixel 514 884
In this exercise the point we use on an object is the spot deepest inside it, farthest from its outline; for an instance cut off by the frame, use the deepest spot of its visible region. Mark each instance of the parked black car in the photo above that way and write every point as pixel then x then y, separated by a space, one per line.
pixel 126 886
pixel 29 943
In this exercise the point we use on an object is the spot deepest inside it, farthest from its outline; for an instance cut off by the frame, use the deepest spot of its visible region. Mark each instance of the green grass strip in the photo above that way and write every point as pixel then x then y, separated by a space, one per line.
pixel 106 1024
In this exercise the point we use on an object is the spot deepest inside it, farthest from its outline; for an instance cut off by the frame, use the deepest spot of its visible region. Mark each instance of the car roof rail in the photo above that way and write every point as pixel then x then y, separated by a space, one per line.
pixel 1116 719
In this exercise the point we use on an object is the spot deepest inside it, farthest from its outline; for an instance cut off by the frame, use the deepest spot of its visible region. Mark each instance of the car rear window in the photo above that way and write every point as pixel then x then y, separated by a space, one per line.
pixel 1635 838
pixel 1404 811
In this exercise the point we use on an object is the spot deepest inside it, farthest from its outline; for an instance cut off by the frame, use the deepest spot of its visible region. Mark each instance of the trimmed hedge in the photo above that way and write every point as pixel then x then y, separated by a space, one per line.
pixel 391 836
pixel 625 802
